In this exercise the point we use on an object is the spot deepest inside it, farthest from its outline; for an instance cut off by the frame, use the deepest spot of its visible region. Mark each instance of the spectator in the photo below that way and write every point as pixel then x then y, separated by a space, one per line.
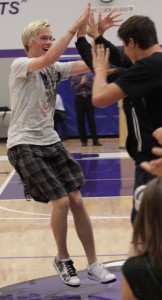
pixel 82 88
pixel 60 113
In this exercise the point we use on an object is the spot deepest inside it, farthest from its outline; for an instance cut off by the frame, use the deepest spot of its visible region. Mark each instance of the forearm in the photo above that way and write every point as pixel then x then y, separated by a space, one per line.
pixel 84 49
pixel 79 67
pixel 52 55
pixel 98 88
pixel 59 47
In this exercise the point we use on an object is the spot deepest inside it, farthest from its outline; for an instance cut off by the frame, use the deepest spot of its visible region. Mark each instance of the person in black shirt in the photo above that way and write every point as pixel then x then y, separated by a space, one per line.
pixel 142 116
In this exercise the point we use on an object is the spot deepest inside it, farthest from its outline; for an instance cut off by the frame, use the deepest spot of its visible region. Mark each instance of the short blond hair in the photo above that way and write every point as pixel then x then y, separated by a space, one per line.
pixel 31 31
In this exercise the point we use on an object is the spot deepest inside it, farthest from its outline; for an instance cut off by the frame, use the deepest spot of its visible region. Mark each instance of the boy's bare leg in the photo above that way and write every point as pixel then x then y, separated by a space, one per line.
pixel 83 225
pixel 59 225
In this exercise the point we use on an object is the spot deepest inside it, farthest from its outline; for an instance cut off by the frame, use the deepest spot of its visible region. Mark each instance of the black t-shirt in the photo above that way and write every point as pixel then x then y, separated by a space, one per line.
pixel 144 279
pixel 144 80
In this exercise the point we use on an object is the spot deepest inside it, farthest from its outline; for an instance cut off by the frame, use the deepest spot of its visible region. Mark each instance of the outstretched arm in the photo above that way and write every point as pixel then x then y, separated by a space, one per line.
pixel 85 50
pixel 57 49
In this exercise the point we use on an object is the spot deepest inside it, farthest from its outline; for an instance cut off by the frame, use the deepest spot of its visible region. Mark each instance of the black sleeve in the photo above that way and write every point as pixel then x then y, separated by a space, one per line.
pixel 84 49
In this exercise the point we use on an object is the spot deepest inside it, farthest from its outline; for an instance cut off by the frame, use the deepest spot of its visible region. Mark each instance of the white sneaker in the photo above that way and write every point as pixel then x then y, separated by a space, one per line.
pixel 66 271
pixel 99 272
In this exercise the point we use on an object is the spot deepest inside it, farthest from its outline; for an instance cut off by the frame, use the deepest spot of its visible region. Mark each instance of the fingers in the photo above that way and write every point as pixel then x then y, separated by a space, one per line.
pixel 88 8
pixel 113 16
pixel 100 51
pixel 157 151
pixel 93 53
pixel 112 13
pixel 99 17
pixel 158 135
pixel 154 167
pixel 112 71
pixel 146 166
pixel 91 19
pixel 100 57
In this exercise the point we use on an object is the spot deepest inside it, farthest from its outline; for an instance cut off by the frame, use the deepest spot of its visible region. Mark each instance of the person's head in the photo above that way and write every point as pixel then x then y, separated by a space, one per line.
pixel 148 223
pixel 138 30
pixel 37 37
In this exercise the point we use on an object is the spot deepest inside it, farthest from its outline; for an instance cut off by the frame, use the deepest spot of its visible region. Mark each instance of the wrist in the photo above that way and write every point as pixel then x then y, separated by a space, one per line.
pixel 80 36
pixel 100 69
pixel 96 36
pixel 72 32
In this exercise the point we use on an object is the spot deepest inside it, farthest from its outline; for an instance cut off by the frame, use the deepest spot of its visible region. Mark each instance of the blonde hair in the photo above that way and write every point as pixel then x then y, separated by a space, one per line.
pixel 31 31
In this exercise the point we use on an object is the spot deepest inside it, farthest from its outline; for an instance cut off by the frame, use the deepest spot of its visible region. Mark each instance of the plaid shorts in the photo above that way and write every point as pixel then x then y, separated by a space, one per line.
pixel 47 172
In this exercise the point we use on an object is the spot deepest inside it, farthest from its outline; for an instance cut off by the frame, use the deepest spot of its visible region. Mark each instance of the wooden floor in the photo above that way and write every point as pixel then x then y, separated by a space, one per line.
pixel 27 247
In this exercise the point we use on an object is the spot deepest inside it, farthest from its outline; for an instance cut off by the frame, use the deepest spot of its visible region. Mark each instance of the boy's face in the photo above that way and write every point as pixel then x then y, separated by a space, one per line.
pixel 41 44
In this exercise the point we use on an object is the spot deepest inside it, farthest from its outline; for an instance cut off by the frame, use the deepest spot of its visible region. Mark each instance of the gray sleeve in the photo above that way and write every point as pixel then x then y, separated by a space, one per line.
pixel 64 68
pixel 19 67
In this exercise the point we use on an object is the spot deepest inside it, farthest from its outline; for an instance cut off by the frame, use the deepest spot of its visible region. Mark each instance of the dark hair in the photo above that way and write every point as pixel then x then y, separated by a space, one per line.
pixel 148 223
pixel 141 29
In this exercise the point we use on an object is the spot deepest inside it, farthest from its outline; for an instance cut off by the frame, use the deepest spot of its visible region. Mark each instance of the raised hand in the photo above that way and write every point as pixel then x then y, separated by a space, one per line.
pixel 92 28
pixel 83 28
pixel 108 21
pixel 100 58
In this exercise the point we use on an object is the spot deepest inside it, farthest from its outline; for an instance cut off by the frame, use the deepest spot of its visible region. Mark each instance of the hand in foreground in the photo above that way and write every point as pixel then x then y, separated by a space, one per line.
pixel 108 21
pixel 154 167
pixel 83 29
pixel 83 19
pixel 100 58
pixel 158 135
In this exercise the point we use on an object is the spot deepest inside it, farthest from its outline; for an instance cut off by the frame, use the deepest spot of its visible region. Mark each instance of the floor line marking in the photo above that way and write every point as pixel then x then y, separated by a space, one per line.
pixel 22 212
pixel 51 256
pixel 3 158
pixel 8 179
pixel 113 155
pixel 69 218
pixel 109 198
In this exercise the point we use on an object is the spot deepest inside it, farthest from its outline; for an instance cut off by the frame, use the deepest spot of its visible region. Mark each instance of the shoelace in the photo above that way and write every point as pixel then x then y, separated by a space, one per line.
pixel 70 268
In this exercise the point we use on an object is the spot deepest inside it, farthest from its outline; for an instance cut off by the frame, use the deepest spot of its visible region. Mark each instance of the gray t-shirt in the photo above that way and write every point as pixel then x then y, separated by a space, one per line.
pixel 33 97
